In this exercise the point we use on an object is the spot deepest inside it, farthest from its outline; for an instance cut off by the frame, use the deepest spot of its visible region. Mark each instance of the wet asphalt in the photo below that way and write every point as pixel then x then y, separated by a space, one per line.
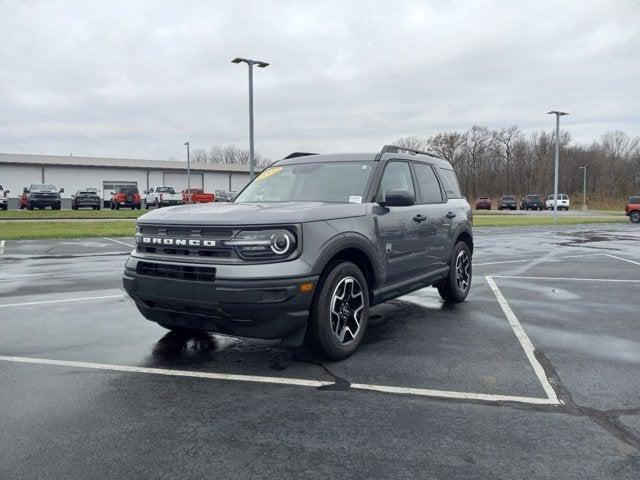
pixel 575 300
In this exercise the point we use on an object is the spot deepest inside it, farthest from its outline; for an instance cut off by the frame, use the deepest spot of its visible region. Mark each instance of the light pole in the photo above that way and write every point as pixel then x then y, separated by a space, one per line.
pixel 188 172
pixel 250 63
pixel 558 114
pixel 584 188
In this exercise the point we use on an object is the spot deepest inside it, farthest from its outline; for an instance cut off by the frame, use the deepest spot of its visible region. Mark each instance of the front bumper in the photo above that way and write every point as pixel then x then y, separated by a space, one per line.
pixel 44 202
pixel 265 308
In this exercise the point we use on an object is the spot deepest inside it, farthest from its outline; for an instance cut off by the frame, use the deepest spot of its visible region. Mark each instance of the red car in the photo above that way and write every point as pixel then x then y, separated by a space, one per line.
pixel 483 203
pixel 22 201
pixel 632 209
pixel 126 197
pixel 197 195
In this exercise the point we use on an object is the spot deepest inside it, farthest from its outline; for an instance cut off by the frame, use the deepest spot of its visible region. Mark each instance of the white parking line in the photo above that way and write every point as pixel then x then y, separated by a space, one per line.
pixel 1 247
pixel 65 300
pixel 524 340
pixel 173 373
pixel 118 241
pixel 300 382
pixel 568 279
pixel 612 256
pixel 538 258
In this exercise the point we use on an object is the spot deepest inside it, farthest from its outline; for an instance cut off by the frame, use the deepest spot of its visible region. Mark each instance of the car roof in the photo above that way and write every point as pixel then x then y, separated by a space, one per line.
pixel 364 157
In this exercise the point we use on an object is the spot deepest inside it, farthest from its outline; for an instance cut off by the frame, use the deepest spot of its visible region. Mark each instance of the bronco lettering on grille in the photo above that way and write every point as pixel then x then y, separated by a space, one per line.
pixel 178 242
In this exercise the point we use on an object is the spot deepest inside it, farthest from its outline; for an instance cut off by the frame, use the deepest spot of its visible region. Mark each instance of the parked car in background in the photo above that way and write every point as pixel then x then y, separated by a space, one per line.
pixel 86 198
pixel 532 202
pixel 197 195
pixel 224 196
pixel 483 203
pixel 507 201
pixel 42 195
pixel 22 201
pixel 161 196
pixel 3 198
pixel 632 209
pixel 563 202
pixel 127 197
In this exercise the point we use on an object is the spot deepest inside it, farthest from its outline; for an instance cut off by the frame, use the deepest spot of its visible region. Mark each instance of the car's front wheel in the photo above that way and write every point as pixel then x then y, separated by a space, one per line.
pixel 634 217
pixel 339 313
pixel 456 286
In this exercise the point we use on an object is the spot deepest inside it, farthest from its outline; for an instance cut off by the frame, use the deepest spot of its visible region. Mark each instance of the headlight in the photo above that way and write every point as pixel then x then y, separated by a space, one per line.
pixel 256 244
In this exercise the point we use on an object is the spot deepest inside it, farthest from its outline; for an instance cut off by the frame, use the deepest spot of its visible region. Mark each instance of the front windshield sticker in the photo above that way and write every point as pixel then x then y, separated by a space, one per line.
pixel 355 199
pixel 268 172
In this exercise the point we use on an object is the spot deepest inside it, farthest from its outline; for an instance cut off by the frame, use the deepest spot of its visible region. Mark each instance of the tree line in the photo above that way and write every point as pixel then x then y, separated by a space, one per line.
pixel 505 161
pixel 227 154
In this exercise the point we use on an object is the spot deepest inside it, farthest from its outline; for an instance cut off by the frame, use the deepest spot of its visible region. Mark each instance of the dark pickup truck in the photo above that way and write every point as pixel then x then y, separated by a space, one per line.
pixel 306 249
pixel 42 195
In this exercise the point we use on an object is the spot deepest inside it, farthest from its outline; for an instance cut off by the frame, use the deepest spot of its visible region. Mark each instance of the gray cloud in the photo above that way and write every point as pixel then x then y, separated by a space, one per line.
pixel 139 78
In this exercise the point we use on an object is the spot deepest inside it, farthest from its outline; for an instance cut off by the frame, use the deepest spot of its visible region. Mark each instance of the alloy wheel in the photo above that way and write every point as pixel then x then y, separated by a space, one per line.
pixel 463 270
pixel 345 310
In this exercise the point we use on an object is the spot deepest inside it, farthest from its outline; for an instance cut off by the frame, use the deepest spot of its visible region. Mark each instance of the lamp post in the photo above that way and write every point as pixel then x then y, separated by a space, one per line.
pixel 558 114
pixel 250 63
pixel 584 188
pixel 188 172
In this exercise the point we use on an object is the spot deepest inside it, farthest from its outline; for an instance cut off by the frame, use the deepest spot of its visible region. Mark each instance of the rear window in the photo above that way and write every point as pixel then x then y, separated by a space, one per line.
pixel 634 199
pixel 450 183
pixel 533 198
pixel 508 199
pixel 128 190
pixel 165 190
pixel 86 192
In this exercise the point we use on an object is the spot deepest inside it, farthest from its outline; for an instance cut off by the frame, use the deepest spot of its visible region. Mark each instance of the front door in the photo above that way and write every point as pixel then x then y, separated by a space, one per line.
pixel 401 230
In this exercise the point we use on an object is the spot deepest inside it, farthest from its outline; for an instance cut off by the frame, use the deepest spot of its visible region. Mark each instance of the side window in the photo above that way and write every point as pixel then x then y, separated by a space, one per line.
pixel 451 187
pixel 427 184
pixel 396 175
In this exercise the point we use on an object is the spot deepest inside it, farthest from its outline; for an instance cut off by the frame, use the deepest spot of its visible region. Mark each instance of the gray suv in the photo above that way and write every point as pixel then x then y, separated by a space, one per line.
pixel 306 249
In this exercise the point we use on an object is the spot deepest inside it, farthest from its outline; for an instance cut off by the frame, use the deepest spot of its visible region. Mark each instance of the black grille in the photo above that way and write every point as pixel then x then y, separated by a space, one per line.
pixel 178 272
pixel 219 235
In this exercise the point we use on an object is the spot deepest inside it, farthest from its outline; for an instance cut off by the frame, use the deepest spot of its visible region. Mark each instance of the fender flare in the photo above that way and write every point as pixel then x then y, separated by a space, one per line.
pixel 345 241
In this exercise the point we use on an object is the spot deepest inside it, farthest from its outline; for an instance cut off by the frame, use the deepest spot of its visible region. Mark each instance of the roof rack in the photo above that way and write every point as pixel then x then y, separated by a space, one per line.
pixel 299 154
pixel 396 149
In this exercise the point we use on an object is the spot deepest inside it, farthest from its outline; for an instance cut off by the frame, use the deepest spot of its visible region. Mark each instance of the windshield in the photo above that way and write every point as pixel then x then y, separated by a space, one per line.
pixel 508 199
pixel 44 187
pixel 168 190
pixel 334 182
pixel 534 198
pixel 86 192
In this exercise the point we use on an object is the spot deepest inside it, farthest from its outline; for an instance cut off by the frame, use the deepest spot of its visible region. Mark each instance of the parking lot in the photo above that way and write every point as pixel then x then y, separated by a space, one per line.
pixel 536 374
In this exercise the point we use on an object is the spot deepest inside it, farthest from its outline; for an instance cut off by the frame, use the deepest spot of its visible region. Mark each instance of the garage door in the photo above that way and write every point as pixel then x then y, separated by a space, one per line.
pixel 179 180
pixel 108 187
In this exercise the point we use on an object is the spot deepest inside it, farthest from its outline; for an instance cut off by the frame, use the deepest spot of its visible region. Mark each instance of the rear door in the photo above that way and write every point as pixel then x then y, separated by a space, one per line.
pixel 437 226
pixel 401 231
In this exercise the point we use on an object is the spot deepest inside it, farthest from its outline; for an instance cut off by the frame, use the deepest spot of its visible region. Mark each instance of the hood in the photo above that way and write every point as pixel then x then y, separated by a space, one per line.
pixel 252 213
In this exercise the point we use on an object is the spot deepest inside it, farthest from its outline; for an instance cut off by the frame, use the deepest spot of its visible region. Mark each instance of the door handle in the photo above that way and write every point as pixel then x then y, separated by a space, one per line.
pixel 451 214
pixel 419 218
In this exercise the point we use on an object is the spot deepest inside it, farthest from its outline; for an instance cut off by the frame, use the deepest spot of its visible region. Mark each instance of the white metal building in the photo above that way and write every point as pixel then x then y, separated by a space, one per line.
pixel 105 174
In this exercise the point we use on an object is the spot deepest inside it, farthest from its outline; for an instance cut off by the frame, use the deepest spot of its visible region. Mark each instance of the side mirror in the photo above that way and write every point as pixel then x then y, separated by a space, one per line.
pixel 112 193
pixel 398 197
pixel 24 190
pixel 62 190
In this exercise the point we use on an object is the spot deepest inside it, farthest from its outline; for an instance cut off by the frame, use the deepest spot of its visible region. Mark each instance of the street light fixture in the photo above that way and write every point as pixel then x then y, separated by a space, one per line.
pixel 250 64
pixel 558 114
pixel 584 188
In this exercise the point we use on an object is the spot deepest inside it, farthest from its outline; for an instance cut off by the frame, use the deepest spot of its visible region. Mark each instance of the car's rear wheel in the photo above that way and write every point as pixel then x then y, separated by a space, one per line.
pixel 634 217
pixel 339 313
pixel 456 286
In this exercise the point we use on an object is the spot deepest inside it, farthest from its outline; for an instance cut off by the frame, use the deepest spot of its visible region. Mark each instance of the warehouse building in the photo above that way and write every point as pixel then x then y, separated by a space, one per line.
pixel 106 174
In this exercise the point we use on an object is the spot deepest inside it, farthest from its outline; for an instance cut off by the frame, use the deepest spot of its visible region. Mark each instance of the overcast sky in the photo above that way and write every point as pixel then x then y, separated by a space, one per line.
pixel 137 79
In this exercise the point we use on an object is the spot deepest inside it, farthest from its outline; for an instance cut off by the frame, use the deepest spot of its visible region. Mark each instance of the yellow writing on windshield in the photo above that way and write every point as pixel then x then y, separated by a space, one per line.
pixel 268 172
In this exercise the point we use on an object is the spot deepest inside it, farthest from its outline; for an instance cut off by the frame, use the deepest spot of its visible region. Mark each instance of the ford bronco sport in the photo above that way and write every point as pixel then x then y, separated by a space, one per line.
pixel 306 249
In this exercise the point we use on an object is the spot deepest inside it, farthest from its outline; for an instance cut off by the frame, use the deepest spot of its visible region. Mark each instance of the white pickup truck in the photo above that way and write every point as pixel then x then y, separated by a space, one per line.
pixel 161 196
pixel 563 202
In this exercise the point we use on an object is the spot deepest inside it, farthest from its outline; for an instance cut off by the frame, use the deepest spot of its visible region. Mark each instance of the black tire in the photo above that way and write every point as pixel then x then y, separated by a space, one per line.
pixel 138 207
pixel 450 289
pixel 634 217
pixel 4 207
pixel 117 206
pixel 320 335
pixel 146 205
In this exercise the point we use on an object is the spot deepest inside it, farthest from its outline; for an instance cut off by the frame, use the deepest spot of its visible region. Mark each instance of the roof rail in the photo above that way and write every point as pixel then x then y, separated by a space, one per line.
pixel 396 149
pixel 299 154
